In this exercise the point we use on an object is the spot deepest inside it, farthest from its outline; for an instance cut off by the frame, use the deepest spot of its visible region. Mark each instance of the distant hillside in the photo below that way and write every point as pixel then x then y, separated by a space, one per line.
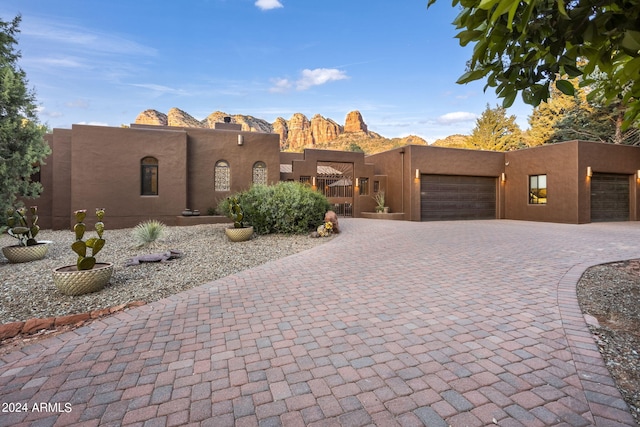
pixel 452 141
pixel 296 134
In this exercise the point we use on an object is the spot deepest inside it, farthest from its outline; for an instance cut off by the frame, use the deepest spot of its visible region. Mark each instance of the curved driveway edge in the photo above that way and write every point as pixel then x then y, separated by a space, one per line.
pixel 466 323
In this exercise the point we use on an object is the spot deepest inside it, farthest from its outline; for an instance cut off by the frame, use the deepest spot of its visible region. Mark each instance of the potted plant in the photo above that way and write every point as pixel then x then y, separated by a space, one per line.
pixel 87 275
pixel 379 198
pixel 239 232
pixel 25 230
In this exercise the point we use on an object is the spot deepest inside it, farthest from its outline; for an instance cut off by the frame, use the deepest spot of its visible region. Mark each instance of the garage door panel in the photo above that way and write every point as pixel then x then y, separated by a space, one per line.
pixel 609 197
pixel 445 197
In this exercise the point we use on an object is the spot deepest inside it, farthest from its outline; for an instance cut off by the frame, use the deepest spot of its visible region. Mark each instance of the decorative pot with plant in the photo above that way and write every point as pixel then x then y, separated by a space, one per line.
pixel 87 275
pixel 19 226
pixel 239 232
pixel 379 198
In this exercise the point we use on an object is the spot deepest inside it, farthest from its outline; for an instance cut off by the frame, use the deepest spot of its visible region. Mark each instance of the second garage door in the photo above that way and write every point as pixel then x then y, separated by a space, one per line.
pixel 609 197
pixel 446 197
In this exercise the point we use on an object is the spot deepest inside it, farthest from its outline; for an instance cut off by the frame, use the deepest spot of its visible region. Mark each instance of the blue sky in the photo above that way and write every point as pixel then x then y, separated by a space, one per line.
pixel 103 62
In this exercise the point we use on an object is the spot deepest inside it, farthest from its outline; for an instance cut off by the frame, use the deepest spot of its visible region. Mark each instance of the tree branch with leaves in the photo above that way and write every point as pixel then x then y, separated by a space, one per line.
pixel 525 46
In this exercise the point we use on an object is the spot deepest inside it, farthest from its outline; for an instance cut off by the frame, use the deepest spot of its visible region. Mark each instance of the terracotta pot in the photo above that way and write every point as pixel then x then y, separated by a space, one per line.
pixel 71 281
pixel 239 234
pixel 18 253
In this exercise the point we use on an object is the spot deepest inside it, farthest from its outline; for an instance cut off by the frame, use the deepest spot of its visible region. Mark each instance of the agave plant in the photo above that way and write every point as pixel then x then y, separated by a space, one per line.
pixel 95 244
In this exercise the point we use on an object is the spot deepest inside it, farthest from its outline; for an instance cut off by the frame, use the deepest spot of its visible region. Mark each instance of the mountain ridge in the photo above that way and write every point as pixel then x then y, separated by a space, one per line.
pixel 296 134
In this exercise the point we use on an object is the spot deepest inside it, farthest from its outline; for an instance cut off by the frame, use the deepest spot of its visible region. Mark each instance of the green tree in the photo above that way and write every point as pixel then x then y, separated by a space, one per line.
pixel 22 144
pixel 524 46
pixel 545 117
pixel 495 131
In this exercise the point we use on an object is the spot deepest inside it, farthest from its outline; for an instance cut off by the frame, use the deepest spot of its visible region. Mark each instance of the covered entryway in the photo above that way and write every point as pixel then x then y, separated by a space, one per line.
pixel 609 197
pixel 335 181
pixel 448 197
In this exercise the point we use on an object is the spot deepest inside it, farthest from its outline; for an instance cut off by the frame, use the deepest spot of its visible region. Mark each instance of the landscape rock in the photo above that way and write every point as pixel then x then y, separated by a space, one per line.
pixel 34 325
pixel 9 330
pixel 71 319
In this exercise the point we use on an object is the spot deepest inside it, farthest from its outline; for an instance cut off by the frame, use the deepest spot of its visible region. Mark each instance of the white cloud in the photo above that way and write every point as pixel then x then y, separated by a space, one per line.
pixel 456 117
pixel 268 4
pixel 319 76
pixel 77 103
pixel 280 85
pixel 159 88
pixel 308 78
pixel 85 38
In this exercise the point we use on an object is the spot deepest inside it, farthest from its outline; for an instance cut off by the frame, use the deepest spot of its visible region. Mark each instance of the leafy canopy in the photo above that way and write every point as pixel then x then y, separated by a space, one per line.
pixel 22 144
pixel 524 46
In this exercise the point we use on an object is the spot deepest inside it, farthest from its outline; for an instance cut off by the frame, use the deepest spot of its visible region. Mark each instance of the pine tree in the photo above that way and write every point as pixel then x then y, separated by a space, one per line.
pixel 495 131
pixel 22 144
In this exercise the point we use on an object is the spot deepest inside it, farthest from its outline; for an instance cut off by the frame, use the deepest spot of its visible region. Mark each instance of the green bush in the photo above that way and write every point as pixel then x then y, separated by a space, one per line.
pixel 286 207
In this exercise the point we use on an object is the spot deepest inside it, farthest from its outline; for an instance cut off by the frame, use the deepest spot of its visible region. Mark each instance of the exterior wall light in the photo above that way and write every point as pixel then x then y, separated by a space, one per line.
pixel 417 173
pixel 313 181
pixel 638 174
pixel 357 182
pixel 589 172
pixel 240 139
pixel 503 177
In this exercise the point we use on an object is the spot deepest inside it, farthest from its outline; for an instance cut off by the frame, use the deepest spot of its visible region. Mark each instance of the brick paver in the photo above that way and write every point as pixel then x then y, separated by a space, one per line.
pixel 391 323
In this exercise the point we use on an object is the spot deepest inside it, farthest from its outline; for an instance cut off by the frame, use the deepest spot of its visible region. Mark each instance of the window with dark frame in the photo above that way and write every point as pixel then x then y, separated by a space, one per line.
pixel 149 176
pixel 364 187
pixel 376 186
pixel 537 189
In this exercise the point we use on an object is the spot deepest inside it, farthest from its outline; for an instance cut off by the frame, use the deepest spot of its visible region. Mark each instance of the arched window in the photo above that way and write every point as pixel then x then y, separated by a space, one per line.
pixel 149 176
pixel 259 173
pixel 222 176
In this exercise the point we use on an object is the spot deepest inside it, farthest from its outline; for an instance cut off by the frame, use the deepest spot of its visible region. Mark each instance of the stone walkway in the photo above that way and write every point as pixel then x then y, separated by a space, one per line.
pixel 393 323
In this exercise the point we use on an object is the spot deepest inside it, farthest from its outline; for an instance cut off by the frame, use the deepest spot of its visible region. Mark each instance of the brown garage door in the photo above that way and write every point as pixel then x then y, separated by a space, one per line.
pixel 446 197
pixel 609 197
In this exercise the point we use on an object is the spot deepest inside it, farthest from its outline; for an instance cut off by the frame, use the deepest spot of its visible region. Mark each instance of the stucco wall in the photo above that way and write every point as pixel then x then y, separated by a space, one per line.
pixel 206 147
pixel 606 158
pixel 106 174
pixel 400 167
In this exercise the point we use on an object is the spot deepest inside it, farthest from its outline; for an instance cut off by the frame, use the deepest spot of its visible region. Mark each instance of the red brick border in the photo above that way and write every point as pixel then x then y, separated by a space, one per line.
pixel 10 330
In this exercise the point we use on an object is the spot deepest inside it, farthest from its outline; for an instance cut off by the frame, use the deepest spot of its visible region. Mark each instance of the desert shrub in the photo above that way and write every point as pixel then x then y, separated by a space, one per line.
pixel 148 232
pixel 286 207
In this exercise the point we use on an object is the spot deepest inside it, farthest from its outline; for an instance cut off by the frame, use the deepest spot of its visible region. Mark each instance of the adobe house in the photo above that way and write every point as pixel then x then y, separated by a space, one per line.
pixel 156 172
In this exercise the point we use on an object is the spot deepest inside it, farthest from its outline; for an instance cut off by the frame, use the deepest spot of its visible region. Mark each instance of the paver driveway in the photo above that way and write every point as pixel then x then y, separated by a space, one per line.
pixel 393 323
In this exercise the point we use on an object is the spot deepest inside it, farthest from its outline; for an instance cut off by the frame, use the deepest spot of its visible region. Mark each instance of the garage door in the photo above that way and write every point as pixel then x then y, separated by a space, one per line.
pixel 609 197
pixel 446 197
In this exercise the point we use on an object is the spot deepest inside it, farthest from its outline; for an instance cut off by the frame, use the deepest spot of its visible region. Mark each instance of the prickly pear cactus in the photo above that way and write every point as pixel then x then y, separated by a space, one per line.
pixel 21 228
pixel 235 212
pixel 95 244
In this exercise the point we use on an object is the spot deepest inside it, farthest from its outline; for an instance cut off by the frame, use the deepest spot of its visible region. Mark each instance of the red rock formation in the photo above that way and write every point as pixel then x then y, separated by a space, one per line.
pixel 177 117
pixel 324 130
pixel 151 117
pixel 281 127
pixel 354 122
pixel 299 132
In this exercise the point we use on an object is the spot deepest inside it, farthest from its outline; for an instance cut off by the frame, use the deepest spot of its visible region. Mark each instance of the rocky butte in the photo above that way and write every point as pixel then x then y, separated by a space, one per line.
pixel 296 134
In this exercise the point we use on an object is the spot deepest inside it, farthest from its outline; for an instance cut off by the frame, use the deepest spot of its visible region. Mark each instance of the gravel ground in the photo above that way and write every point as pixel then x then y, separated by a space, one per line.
pixel 611 294
pixel 28 290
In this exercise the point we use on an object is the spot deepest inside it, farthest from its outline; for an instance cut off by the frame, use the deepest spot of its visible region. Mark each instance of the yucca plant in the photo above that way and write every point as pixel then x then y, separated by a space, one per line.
pixel 148 232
